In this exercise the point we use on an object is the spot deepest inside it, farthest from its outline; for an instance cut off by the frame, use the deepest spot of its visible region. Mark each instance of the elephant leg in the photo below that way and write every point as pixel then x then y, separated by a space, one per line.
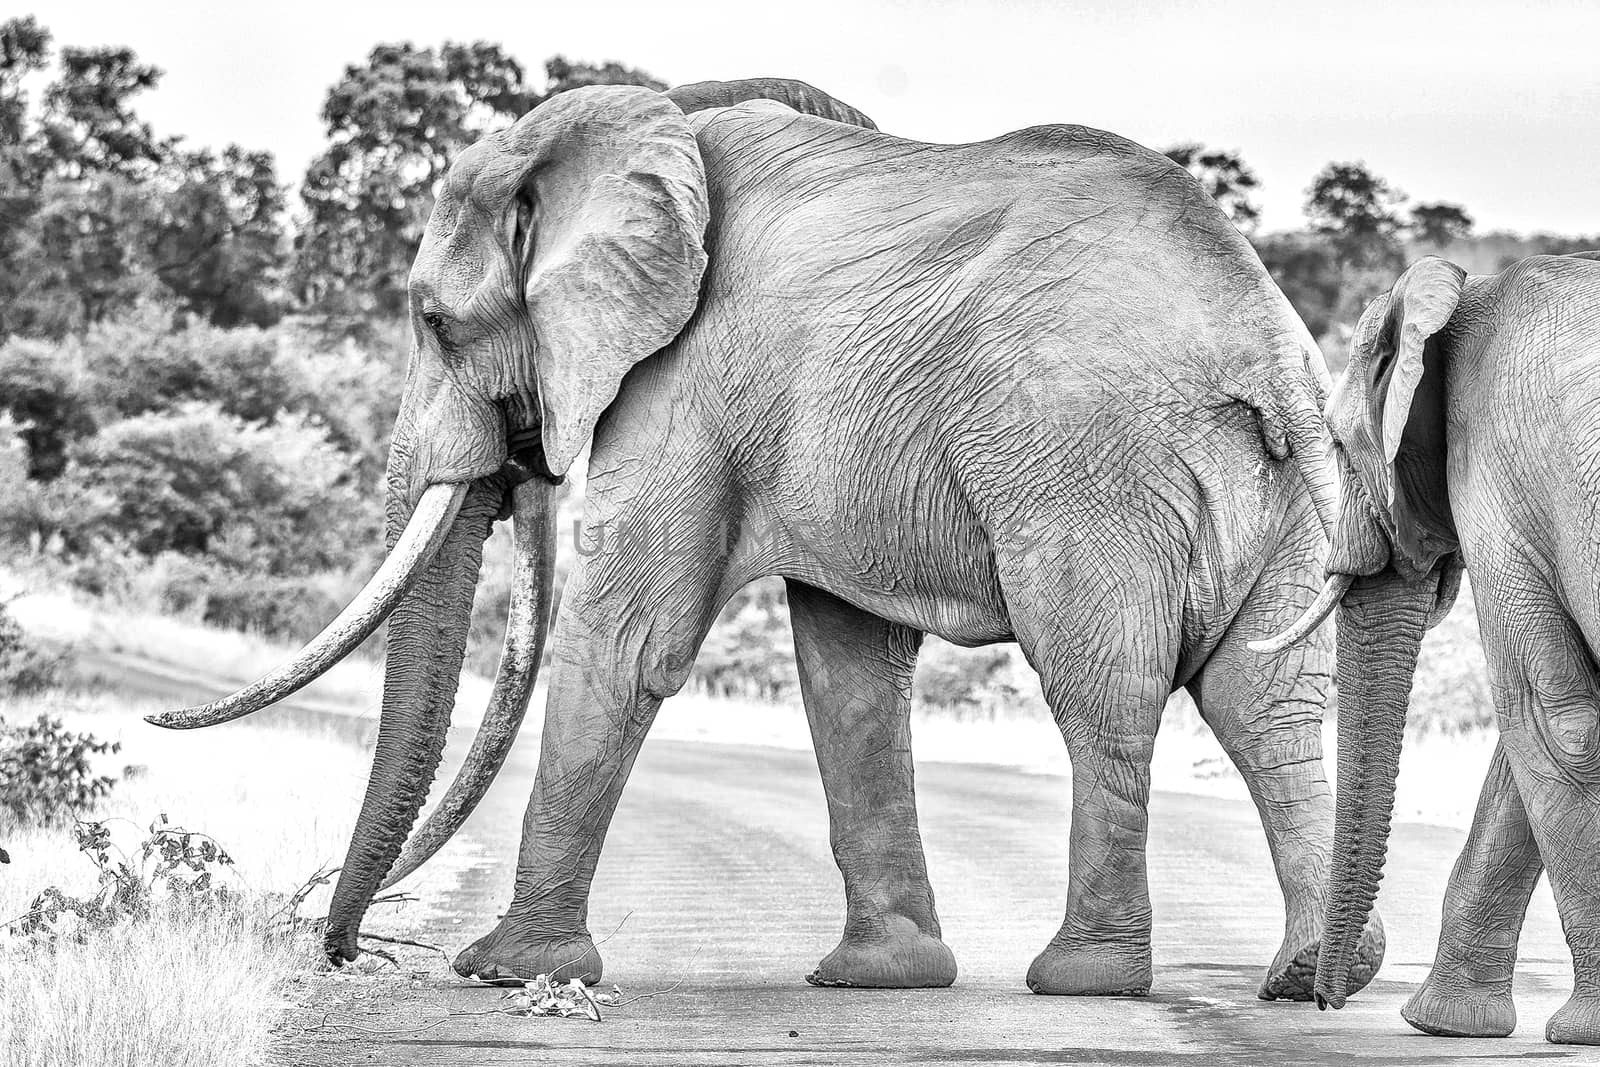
pixel 855 676
pixel 1267 715
pixel 630 624
pixel 1106 658
pixel 1552 743
pixel 1468 991
pixel 1547 693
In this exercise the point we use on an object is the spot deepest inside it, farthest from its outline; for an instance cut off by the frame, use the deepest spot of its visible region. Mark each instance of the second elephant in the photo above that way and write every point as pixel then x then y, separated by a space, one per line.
pixel 1468 427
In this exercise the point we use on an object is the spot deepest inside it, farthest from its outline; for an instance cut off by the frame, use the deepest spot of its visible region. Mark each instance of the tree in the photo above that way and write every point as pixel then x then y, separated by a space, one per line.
pixel 561 75
pixel 91 252
pixel 218 240
pixel 1307 270
pixel 1358 212
pixel 89 123
pixel 40 394
pixel 1439 224
pixel 1225 178
pixel 395 124
pixel 24 49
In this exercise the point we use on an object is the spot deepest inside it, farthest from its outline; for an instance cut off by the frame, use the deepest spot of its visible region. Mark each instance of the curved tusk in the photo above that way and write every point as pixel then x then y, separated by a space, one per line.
pixel 1333 591
pixel 423 535
pixel 534 529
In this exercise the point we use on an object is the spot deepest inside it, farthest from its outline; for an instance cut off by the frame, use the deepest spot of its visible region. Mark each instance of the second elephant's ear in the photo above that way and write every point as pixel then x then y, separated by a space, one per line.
pixel 607 226
pixel 1406 391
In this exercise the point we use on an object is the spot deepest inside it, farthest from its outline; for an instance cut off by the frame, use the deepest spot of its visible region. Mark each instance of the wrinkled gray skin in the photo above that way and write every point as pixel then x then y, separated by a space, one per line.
pixel 1034 389
pixel 1469 432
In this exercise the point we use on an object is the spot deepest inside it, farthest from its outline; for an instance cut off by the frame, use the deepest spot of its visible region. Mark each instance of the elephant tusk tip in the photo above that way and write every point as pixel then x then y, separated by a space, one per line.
pixel 167 720
pixel 1267 646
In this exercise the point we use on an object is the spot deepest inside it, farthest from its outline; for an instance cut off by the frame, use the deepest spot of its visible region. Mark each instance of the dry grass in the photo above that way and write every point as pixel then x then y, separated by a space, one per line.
pixel 205 991
pixel 199 991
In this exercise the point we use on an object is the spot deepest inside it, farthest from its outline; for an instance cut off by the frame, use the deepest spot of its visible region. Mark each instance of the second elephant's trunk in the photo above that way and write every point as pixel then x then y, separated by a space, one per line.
pixel 1381 623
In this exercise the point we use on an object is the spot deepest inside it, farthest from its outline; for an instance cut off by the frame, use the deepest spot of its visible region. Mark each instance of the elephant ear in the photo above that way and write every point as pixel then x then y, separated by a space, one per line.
pixel 607 227
pixel 801 96
pixel 1406 391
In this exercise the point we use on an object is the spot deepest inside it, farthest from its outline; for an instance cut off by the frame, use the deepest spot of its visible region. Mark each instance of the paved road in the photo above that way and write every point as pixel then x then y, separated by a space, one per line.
pixel 719 858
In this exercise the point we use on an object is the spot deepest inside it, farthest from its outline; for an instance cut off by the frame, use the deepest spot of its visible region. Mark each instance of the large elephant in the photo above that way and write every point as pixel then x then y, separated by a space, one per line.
pixel 1034 389
pixel 1468 427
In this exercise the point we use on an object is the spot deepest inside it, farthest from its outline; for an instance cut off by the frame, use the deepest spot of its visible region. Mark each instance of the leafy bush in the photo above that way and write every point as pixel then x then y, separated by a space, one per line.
pixel 44 397
pixel 965 682
pixel 24 668
pixel 144 361
pixel 172 868
pixel 45 771
pixel 750 652
pixel 269 498
pixel 291 607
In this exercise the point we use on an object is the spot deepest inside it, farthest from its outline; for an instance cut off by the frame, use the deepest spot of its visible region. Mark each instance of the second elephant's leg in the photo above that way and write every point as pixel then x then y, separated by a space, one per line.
pixel 855 675
pixel 1468 991
pixel 1547 691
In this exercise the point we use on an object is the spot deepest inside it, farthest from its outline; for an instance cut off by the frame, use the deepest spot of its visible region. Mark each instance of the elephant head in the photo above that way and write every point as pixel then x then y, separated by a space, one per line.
pixel 560 252
pixel 1393 571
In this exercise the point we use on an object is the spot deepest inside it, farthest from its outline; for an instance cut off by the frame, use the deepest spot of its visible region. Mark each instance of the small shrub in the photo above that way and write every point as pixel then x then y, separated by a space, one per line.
pixel 171 868
pixel 46 774
pixel 24 668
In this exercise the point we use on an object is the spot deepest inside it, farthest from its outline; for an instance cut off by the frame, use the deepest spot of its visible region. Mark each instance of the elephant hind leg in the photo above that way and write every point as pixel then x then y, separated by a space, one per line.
pixel 1547 694
pixel 1106 655
pixel 1468 991
pixel 855 676
pixel 1267 714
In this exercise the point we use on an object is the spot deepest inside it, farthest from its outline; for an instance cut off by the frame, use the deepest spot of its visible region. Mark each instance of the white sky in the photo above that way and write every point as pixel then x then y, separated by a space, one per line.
pixel 1489 103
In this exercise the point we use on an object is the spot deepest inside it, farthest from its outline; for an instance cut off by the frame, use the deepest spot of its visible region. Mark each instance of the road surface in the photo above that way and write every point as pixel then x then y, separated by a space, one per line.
pixel 719 859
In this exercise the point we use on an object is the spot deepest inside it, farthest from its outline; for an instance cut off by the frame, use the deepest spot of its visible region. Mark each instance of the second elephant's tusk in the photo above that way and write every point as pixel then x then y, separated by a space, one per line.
pixel 1333 591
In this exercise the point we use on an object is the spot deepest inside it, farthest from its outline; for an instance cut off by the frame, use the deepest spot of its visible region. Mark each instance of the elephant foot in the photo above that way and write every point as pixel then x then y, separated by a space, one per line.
pixel 1477 1011
pixel 1577 1022
pixel 903 958
pixel 1293 974
pixel 503 955
pixel 1107 969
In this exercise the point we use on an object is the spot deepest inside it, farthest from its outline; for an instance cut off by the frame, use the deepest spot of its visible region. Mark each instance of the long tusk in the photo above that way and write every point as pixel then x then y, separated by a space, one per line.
pixel 1333 591
pixel 416 547
pixel 534 527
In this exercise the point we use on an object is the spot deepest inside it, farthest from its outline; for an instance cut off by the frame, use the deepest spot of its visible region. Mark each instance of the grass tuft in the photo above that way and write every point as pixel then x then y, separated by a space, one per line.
pixel 177 988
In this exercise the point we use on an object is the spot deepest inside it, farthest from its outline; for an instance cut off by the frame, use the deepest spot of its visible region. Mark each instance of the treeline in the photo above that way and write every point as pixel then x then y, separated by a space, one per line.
pixel 1359 233
pixel 199 359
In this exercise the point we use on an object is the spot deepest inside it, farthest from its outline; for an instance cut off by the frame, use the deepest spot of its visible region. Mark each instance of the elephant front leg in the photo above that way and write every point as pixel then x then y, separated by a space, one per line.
pixel 626 637
pixel 855 676
pixel 1468 991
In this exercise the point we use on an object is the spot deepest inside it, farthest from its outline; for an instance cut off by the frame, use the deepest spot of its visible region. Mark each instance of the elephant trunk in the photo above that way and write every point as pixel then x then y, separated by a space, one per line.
pixel 427 642
pixel 1381 623
pixel 533 577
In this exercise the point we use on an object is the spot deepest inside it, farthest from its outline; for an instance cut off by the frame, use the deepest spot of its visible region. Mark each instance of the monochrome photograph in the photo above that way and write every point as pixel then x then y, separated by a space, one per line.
pixel 879 532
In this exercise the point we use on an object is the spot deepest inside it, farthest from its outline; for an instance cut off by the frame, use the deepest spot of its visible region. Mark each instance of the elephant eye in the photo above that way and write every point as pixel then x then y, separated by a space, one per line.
pixel 439 325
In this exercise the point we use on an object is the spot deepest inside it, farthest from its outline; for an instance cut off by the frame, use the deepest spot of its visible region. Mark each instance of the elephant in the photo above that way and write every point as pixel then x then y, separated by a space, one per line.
pixel 1035 389
pixel 1467 427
